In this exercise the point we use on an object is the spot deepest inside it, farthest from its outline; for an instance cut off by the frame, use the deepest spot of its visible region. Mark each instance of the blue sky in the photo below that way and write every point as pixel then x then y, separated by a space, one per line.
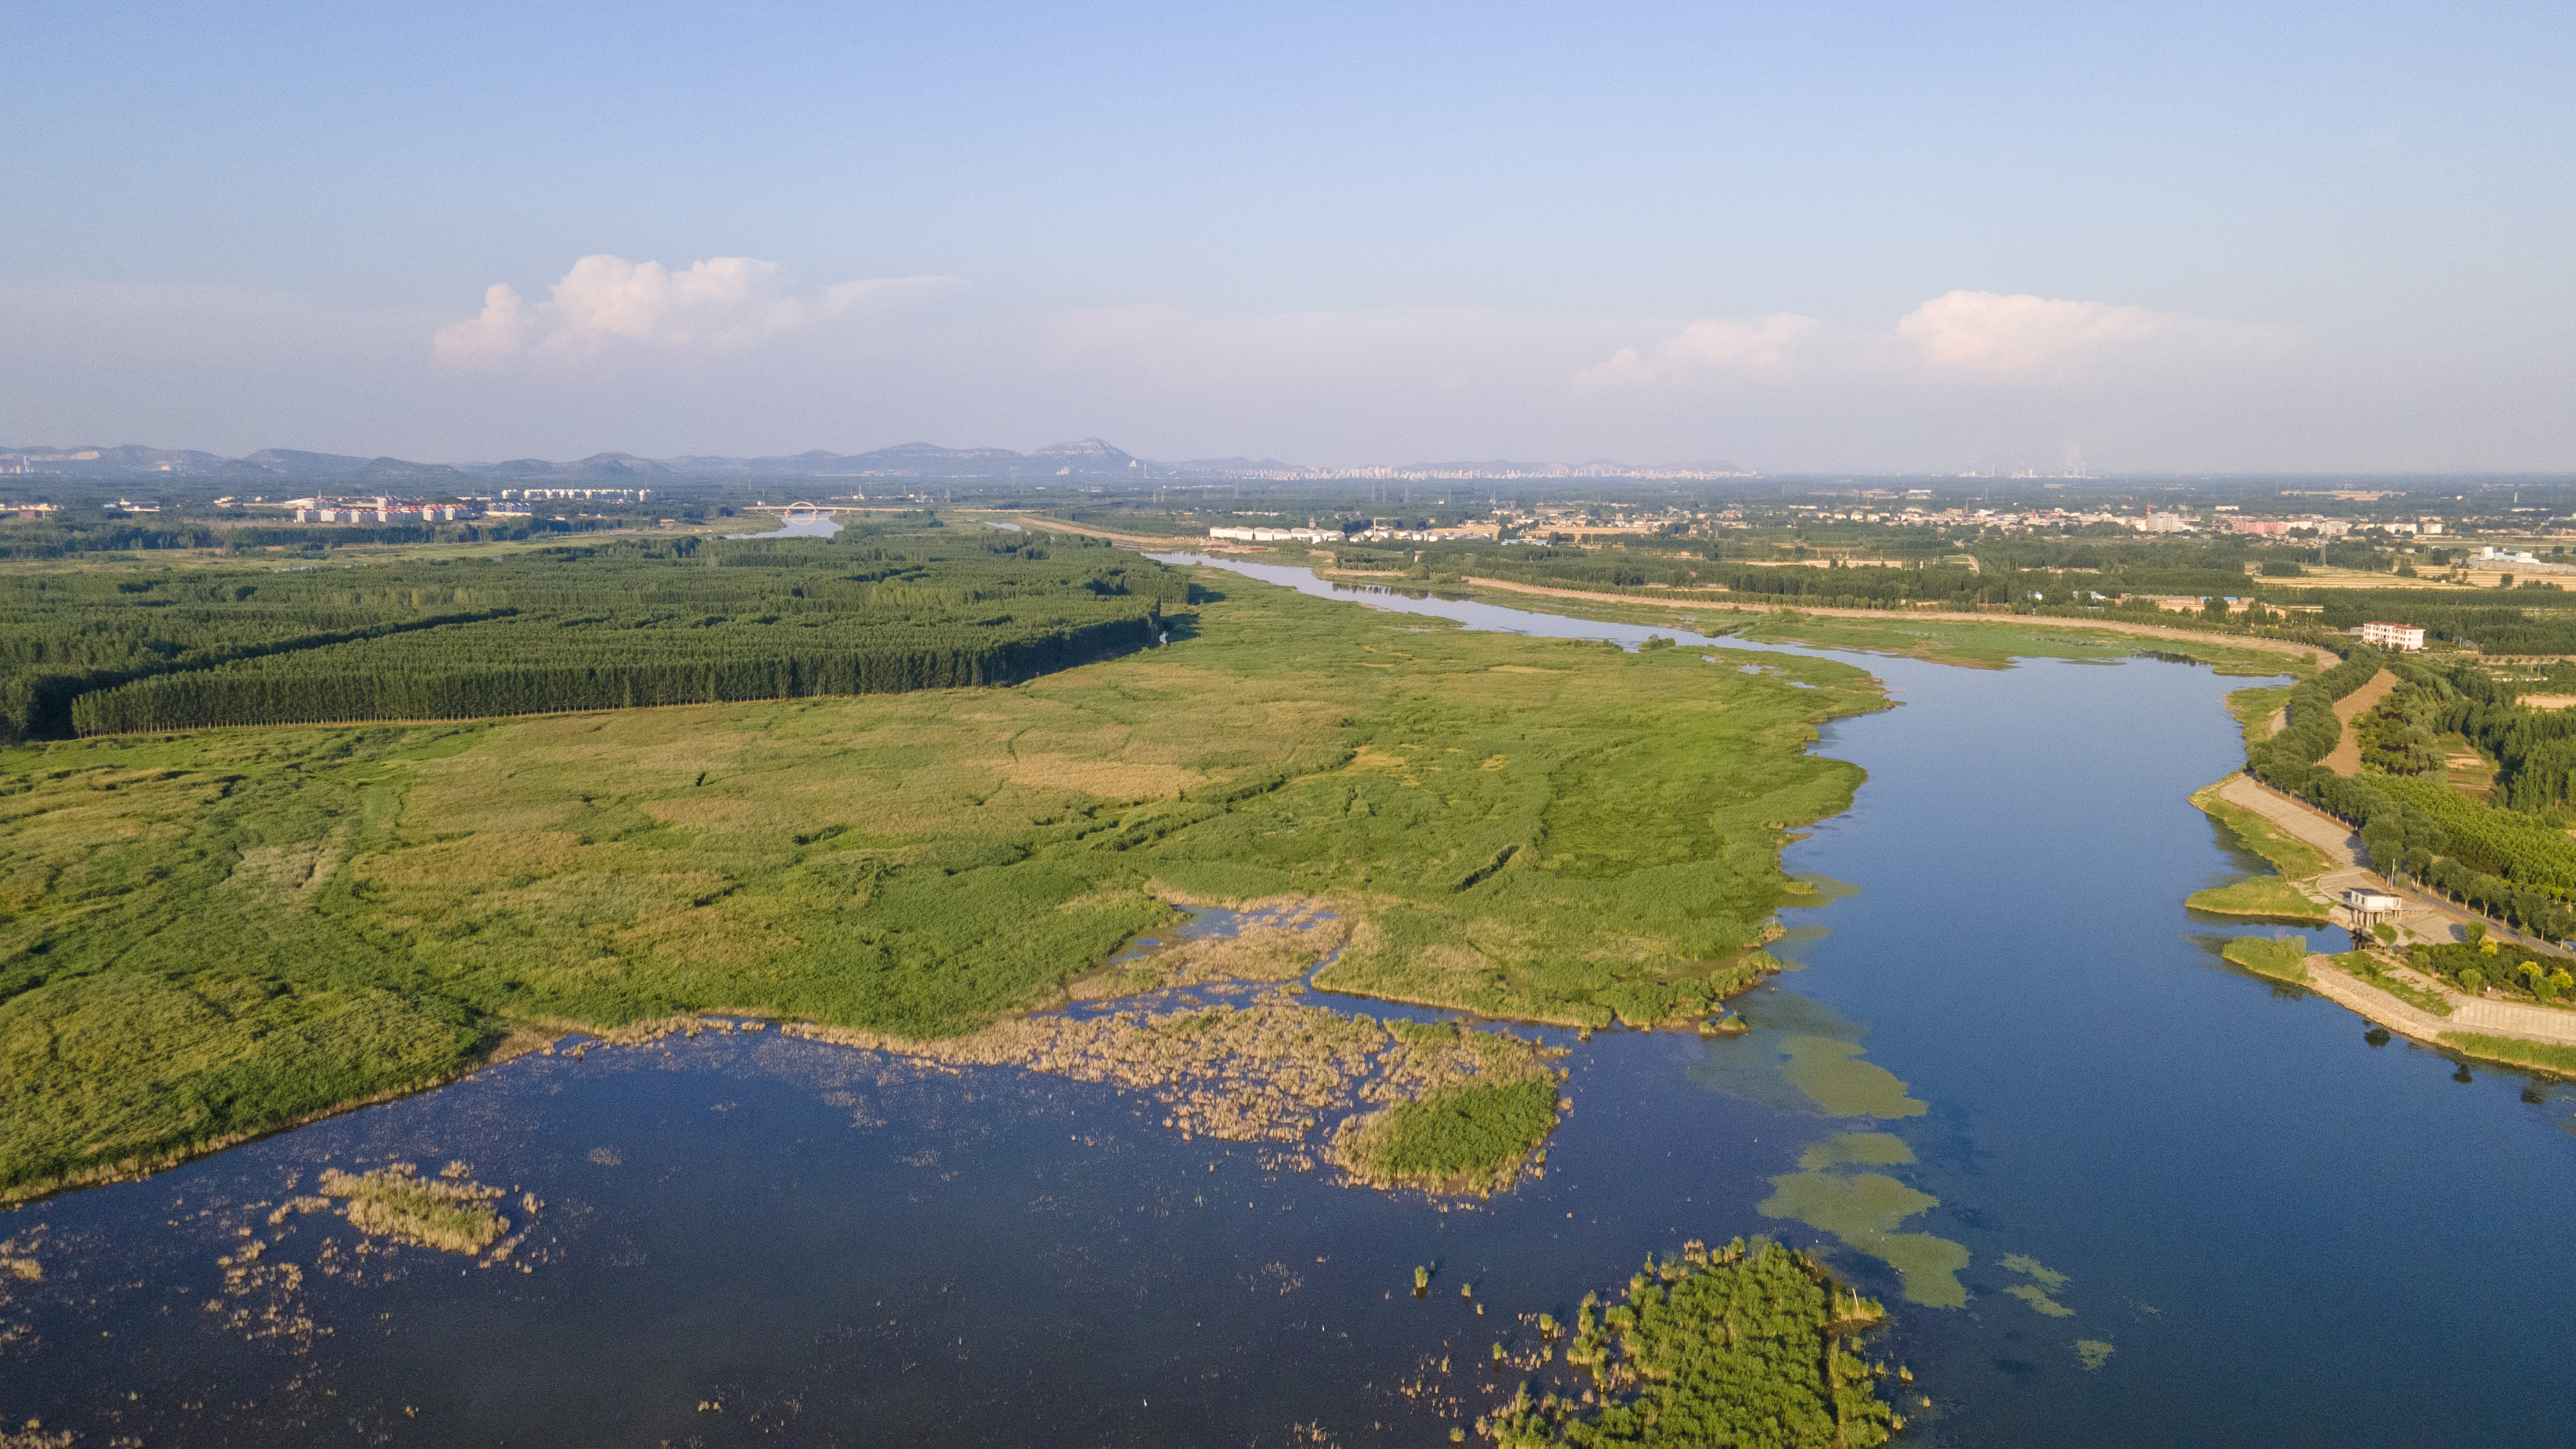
pixel 1880 236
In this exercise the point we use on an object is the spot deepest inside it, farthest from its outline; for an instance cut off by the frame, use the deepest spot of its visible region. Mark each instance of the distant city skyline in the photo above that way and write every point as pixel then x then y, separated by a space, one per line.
pixel 1829 238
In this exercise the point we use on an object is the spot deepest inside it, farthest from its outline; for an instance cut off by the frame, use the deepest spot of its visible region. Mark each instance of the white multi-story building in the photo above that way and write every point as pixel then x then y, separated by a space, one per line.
pixel 2408 637
pixel 1277 535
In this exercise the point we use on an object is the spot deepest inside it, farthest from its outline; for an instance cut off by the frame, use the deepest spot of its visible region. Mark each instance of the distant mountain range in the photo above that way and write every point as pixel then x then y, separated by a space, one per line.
pixel 1089 458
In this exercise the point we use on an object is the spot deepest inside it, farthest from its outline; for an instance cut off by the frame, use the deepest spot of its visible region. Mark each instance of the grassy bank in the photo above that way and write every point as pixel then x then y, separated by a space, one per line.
pixel 210 932
pixel 2269 897
pixel 2281 960
pixel 2543 1055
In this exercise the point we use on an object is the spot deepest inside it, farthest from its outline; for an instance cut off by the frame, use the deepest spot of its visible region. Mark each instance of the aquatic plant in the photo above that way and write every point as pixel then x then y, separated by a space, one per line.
pixel 1743 1351
pixel 397 1202
pixel 1465 1138
pixel 1421 1278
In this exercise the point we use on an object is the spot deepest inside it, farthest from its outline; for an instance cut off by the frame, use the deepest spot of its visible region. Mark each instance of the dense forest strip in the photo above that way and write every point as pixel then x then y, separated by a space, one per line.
pixel 634 622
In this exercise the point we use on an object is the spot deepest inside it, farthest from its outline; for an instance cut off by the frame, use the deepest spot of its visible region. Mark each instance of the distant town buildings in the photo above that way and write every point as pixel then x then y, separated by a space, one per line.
pixel 375 510
pixel 1335 535
pixel 1277 535
pixel 2408 637
pixel 582 495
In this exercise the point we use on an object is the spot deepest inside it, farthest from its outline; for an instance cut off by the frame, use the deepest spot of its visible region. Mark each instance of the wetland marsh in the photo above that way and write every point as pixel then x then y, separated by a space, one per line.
pixel 2110 1188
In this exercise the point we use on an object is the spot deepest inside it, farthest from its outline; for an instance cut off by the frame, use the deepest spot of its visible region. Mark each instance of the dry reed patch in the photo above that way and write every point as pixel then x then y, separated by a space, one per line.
pixel 482 795
pixel 1433 1057
pixel 708 812
pixel 452 1214
pixel 731 936
pixel 1106 779
pixel 281 872
pixel 1519 669
pixel 1370 757
pixel 497 855
pixel 1280 950
pixel 1453 959
pixel 1270 1071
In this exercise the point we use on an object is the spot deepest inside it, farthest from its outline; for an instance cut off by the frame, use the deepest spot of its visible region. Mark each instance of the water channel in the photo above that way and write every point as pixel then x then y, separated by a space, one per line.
pixel 2196 1207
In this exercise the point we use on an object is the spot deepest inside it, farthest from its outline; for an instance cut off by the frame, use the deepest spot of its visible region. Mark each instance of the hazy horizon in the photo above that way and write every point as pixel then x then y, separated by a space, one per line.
pixel 1837 239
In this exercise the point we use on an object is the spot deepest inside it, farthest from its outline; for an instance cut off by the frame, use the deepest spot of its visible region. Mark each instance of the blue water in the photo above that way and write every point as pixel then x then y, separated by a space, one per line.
pixel 2284 1234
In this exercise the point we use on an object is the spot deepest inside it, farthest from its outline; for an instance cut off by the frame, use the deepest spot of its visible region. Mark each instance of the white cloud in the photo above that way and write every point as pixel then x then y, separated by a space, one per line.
pixel 2017 336
pixel 1765 344
pixel 1977 336
pixel 606 303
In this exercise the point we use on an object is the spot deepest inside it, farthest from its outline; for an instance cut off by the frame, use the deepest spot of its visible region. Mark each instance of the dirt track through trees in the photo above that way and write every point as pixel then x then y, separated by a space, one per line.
pixel 2345 757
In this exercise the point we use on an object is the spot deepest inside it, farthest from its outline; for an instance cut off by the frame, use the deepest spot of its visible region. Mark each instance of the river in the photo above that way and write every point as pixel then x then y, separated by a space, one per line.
pixel 2196 1207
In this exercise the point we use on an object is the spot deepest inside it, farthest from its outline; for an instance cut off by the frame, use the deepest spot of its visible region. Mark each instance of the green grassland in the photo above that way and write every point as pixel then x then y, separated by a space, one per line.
pixel 2282 960
pixel 2264 897
pixel 212 932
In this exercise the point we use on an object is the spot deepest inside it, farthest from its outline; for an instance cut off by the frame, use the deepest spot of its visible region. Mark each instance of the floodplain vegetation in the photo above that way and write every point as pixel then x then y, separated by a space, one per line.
pixel 212 932
pixel 1468 1107
pixel 1745 1344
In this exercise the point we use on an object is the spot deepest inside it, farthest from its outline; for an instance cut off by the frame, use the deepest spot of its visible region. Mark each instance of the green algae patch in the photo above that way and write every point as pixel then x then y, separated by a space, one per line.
pixel 2044 1281
pixel 1864 1205
pixel 2094 1352
pixel 2030 1267
pixel 2037 1297
pixel 1873 1149
pixel 1864 1210
pixel 1819 889
pixel 1736 1346
pixel 1831 1075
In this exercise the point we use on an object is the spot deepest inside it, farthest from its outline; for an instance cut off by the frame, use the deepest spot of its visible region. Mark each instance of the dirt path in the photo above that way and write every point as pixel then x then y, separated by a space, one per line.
pixel 2345 758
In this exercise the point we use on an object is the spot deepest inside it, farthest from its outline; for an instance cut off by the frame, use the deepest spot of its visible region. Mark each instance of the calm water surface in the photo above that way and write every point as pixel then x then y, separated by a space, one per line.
pixel 2269 1231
